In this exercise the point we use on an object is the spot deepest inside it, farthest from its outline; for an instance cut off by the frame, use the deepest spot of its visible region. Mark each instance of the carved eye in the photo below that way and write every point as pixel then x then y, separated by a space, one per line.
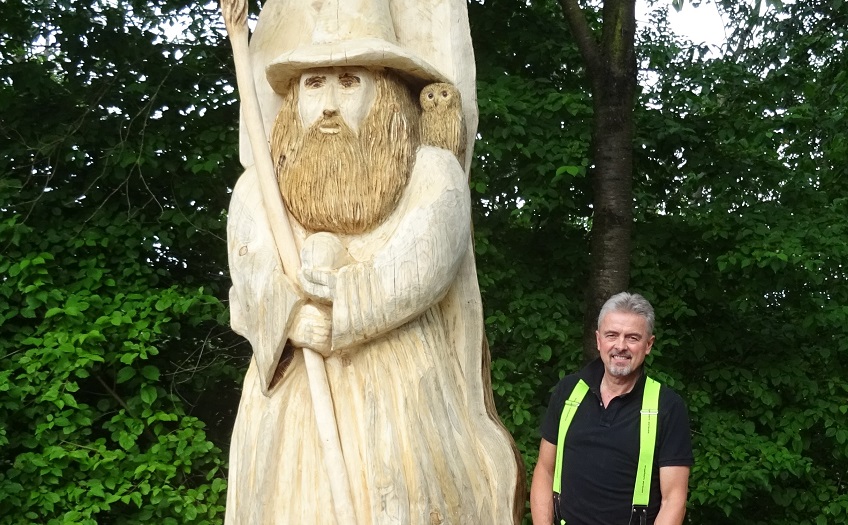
pixel 314 82
pixel 348 81
pixel 430 95
pixel 445 94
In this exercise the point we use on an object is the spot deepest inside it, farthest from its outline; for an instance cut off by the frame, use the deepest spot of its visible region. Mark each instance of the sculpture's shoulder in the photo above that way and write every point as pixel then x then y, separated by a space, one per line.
pixel 438 167
pixel 246 187
pixel 246 212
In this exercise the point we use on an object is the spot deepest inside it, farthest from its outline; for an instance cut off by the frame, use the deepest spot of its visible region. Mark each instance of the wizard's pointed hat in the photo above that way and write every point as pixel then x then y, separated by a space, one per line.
pixel 350 33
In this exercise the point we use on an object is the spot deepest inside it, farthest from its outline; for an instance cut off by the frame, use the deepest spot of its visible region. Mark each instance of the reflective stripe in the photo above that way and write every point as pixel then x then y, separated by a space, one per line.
pixel 565 418
pixel 649 420
pixel 647 441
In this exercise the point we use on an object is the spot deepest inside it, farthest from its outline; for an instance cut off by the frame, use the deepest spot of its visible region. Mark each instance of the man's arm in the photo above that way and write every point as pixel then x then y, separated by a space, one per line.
pixel 674 485
pixel 542 487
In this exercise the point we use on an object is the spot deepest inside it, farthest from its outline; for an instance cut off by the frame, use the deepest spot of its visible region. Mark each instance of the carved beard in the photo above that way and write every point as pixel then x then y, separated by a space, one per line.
pixel 344 183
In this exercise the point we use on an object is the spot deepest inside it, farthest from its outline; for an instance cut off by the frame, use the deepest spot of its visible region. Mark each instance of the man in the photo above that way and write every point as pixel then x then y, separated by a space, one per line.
pixel 602 443
pixel 386 293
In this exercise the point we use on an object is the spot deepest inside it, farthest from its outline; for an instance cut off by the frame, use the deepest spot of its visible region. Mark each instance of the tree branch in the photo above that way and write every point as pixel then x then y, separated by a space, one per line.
pixel 586 42
pixel 121 402
pixel 747 31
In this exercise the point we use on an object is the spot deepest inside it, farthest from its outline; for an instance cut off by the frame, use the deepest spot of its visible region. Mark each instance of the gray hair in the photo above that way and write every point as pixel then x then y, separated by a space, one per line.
pixel 630 303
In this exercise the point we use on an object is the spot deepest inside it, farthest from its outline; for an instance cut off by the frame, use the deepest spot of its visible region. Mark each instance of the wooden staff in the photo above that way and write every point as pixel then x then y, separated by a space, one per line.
pixel 235 18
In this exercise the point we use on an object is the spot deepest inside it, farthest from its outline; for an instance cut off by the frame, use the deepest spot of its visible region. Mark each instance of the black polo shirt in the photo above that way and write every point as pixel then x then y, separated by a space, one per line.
pixel 602 448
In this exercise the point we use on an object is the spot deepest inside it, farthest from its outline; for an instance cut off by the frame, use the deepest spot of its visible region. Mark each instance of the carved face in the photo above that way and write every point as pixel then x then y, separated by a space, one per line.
pixel 439 97
pixel 332 177
pixel 344 91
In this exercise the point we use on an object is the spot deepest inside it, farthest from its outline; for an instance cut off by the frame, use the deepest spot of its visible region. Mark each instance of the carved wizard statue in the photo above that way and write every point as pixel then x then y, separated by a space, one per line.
pixel 387 290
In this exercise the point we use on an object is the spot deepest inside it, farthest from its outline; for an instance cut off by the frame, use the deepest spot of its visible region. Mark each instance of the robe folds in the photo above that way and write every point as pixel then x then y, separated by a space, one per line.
pixel 420 440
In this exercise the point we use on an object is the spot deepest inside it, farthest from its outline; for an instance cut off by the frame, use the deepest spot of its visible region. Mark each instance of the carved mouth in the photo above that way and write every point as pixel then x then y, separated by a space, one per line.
pixel 331 125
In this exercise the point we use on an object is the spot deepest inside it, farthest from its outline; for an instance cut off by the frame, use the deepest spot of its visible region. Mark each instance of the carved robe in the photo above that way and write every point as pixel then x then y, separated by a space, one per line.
pixel 406 377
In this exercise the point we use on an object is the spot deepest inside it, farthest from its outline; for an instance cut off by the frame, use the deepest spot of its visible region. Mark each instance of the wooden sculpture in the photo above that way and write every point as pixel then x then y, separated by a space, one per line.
pixel 386 291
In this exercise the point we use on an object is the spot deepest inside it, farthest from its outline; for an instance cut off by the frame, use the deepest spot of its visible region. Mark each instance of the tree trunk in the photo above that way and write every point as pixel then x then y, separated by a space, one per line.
pixel 612 72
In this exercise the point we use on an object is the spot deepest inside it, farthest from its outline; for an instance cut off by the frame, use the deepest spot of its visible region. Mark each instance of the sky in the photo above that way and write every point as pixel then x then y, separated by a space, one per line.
pixel 700 24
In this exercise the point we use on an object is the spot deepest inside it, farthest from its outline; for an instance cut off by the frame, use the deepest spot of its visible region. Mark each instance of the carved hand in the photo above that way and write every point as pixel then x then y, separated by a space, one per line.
pixel 318 283
pixel 313 328
pixel 321 255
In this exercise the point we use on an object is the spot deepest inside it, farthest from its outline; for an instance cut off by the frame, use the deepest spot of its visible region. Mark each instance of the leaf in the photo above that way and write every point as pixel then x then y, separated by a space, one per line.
pixel 164 303
pixel 148 394
pixel 150 372
pixel 125 374
pixel 126 441
pixel 52 311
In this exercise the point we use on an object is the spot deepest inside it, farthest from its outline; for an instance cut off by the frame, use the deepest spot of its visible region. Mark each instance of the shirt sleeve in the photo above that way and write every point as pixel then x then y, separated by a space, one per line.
pixel 675 440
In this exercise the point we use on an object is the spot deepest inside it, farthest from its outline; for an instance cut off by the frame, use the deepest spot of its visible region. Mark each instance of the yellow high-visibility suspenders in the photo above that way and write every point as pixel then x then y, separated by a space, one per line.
pixel 649 419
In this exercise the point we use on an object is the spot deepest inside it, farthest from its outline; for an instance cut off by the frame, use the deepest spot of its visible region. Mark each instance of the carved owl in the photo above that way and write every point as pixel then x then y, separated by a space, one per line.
pixel 442 120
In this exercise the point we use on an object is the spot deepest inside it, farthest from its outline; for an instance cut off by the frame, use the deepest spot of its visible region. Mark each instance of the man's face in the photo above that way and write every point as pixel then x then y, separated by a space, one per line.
pixel 346 92
pixel 623 341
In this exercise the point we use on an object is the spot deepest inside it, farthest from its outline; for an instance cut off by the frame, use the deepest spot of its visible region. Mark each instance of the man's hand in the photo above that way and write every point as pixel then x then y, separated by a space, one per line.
pixel 313 328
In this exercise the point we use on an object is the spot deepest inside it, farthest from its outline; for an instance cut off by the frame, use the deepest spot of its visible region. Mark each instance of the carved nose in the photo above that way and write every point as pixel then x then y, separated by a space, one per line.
pixel 330 112
pixel 330 101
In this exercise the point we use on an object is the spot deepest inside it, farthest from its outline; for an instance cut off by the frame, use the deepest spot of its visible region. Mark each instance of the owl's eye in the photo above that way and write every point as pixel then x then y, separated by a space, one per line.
pixel 445 94
pixel 430 96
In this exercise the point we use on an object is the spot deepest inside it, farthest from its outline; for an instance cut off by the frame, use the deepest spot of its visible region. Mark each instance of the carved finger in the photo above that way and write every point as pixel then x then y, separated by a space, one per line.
pixel 319 284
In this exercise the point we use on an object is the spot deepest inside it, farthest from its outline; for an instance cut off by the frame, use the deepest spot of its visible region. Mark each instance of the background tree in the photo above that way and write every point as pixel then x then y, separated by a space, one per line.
pixel 610 64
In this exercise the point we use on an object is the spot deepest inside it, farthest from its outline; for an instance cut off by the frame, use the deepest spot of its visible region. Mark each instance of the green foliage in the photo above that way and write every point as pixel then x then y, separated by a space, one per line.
pixel 741 244
pixel 111 268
